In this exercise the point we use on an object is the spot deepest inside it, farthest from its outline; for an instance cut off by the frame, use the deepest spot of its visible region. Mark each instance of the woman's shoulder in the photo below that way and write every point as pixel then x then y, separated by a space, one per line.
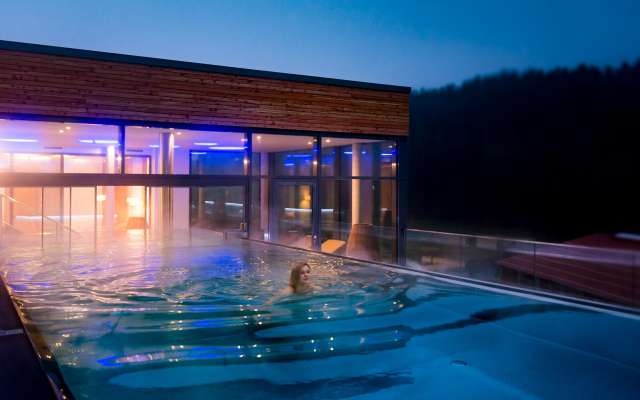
pixel 281 294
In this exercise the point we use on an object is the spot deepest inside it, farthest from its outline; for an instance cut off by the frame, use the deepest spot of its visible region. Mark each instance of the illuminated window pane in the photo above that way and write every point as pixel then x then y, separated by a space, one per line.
pixel 37 146
pixel 358 157
pixel 282 155
pixel 182 151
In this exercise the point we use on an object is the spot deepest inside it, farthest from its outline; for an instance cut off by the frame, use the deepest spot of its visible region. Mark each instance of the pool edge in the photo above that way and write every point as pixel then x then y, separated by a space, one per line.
pixel 31 380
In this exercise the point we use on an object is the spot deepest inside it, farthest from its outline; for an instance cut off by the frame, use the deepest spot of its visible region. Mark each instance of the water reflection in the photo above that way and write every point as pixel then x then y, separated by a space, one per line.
pixel 139 309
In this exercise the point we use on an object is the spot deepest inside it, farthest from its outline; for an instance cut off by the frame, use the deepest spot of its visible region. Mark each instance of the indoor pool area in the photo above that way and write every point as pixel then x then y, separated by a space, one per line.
pixel 152 319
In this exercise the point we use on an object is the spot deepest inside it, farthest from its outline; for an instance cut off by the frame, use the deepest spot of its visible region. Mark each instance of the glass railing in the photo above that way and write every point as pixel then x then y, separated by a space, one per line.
pixel 594 273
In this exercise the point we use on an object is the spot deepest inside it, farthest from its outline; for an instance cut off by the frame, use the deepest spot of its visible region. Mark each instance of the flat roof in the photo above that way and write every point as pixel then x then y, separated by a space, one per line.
pixel 191 66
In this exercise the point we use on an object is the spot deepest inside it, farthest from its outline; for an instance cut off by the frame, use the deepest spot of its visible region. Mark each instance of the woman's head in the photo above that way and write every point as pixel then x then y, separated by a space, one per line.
pixel 299 276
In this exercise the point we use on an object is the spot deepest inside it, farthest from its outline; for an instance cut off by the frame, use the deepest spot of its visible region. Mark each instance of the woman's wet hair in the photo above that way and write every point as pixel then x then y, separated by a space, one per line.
pixel 294 277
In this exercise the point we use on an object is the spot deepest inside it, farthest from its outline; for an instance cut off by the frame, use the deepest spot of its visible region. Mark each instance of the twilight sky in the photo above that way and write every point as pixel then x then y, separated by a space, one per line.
pixel 413 43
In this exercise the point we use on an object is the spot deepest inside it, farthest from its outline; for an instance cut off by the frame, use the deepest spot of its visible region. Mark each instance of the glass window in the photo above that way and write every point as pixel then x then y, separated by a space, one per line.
pixel 259 209
pixel 217 162
pixel 358 218
pixel 358 157
pixel 56 147
pixel 182 151
pixel 21 210
pixel 33 162
pixel 217 208
pixel 282 155
pixel 76 163
pixel 138 164
pixel 290 211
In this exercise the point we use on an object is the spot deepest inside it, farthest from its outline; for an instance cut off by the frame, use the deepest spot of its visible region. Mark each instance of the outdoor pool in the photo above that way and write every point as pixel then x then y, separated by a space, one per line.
pixel 155 321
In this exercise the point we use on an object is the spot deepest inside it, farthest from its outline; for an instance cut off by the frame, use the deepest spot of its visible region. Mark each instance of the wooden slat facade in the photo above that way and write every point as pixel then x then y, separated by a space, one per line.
pixel 69 86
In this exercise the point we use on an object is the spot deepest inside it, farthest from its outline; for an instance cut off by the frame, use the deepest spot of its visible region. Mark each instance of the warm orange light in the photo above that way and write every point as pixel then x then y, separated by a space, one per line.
pixel 136 205
pixel 31 157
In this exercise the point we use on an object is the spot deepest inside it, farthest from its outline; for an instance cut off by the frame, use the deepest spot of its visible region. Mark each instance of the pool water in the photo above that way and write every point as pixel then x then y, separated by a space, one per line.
pixel 201 322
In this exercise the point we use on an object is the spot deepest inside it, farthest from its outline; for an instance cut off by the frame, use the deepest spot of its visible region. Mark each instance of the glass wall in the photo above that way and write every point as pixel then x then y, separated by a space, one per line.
pixel 337 195
pixel 55 147
pixel 94 214
pixel 358 218
pixel 182 151
pixel 358 198
pixel 218 208
pixel 355 188
pixel 283 189
pixel 358 157
pixel 282 155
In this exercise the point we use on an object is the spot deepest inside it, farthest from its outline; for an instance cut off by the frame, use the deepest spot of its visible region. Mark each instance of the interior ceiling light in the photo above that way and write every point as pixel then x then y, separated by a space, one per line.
pixel 156 146
pixel 67 127
pixel 205 144
pixel 61 131
pixel 228 148
pixel 18 140
pixel 98 141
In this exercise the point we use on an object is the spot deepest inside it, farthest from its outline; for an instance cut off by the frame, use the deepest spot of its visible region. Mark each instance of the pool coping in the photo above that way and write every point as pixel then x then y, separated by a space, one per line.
pixel 23 375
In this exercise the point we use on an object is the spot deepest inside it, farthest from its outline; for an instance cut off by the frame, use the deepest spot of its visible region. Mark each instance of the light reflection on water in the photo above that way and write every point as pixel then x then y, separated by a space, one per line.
pixel 152 320
pixel 169 302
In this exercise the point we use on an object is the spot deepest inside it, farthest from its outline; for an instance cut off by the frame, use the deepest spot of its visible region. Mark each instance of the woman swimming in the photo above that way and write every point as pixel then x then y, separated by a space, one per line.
pixel 299 279
pixel 299 283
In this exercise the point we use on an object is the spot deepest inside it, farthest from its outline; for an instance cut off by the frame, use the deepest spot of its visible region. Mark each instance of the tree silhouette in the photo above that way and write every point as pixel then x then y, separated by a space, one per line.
pixel 544 155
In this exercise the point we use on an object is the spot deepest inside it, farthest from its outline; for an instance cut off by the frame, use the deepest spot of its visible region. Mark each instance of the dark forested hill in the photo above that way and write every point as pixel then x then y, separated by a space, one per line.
pixel 544 155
